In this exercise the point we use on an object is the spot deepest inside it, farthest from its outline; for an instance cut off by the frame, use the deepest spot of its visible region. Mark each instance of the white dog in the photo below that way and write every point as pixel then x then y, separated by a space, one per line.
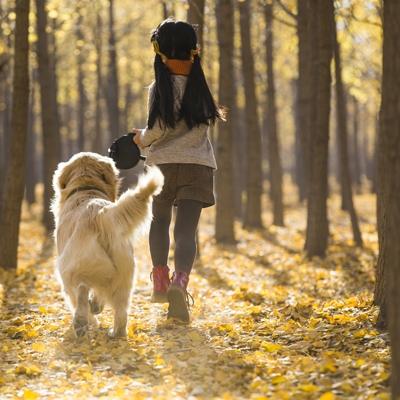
pixel 94 235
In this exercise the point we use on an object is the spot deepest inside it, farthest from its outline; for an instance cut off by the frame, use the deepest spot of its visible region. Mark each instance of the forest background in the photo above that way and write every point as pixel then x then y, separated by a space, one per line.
pixel 312 133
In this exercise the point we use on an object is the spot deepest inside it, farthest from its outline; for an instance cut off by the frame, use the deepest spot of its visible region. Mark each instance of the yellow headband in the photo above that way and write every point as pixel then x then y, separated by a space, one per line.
pixel 164 58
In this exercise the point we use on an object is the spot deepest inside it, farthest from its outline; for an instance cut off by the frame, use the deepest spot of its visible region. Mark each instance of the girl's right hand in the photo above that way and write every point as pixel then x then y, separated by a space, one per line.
pixel 136 136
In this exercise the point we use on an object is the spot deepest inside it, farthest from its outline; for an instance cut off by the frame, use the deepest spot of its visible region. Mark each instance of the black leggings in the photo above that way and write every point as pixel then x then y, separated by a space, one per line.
pixel 187 219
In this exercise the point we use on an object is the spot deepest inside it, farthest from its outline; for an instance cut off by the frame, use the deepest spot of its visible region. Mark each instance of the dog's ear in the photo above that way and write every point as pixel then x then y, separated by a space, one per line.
pixel 108 174
pixel 61 176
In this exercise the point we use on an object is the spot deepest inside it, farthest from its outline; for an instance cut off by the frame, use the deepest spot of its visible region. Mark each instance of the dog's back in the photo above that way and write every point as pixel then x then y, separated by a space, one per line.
pixel 94 237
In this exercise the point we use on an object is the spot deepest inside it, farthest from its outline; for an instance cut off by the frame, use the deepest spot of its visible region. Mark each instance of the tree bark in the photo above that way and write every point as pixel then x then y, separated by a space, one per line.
pixel 98 145
pixel 113 85
pixel 82 101
pixel 274 158
pixel 298 174
pixel 389 182
pixel 356 145
pixel 49 112
pixel 372 160
pixel 5 87
pixel 225 208
pixel 15 171
pixel 304 92
pixel 167 9
pixel 31 176
pixel 342 131
pixel 195 16
pixel 320 14
pixel 252 217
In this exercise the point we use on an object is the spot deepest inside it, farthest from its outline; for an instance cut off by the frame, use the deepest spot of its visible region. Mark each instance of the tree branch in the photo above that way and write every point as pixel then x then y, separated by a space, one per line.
pixel 283 22
pixel 286 9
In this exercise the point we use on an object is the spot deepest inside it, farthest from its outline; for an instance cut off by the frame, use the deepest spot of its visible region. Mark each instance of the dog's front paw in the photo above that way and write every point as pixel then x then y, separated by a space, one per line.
pixel 81 325
pixel 116 333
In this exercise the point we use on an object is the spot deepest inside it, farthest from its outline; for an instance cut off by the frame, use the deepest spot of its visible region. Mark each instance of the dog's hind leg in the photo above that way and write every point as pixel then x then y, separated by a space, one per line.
pixel 120 304
pixel 81 321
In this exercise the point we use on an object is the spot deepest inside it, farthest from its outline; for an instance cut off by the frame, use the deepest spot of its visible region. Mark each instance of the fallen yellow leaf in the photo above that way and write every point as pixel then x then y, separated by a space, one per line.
pixel 327 396
pixel 30 395
pixel 270 347
pixel 308 388
pixel 278 379
pixel 39 347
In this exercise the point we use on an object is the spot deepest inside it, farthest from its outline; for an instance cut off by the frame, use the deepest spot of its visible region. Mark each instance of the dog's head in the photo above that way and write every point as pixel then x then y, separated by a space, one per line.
pixel 86 169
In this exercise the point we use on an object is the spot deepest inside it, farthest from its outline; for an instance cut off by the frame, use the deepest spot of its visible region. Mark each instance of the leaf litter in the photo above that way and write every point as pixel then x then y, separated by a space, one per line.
pixel 267 323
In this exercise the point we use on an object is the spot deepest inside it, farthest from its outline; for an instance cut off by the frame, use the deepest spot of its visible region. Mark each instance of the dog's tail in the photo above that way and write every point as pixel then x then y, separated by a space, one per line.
pixel 132 209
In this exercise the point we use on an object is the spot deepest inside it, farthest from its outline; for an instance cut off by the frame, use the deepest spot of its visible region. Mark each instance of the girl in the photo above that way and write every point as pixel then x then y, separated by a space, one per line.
pixel 180 110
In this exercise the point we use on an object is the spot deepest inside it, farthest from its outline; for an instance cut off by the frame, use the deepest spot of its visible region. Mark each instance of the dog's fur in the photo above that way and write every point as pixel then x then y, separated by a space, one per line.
pixel 94 234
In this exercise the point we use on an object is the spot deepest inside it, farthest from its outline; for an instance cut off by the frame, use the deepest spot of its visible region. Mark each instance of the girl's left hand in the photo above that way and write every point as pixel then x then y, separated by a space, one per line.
pixel 136 137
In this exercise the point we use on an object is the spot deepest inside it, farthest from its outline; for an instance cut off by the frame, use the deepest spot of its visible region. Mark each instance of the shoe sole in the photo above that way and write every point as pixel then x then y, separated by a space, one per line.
pixel 178 309
pixel 159 298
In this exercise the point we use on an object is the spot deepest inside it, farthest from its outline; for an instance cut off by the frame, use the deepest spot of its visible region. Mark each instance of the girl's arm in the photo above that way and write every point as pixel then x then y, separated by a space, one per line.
pixel 148 136
pixel 145 137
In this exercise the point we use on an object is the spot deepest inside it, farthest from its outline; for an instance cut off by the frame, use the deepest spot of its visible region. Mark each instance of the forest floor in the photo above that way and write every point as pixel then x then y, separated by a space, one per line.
pixel 266 324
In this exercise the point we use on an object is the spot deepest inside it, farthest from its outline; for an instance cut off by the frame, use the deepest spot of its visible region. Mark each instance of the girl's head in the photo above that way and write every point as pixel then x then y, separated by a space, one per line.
pixel 175 44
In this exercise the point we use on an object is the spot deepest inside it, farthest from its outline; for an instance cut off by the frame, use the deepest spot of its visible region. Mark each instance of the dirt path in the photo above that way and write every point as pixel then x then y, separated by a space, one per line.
pixel 266 324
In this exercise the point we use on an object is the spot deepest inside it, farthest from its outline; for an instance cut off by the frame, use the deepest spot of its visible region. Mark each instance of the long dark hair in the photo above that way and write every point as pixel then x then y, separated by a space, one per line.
pixel 176 40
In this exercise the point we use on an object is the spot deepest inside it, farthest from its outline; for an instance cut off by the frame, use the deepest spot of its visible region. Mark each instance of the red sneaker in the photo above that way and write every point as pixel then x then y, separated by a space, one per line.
pixel 178 297
pixel 161 282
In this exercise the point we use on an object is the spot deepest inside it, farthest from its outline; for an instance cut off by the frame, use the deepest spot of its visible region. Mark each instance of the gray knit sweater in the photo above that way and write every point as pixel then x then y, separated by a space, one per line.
pixel 180 144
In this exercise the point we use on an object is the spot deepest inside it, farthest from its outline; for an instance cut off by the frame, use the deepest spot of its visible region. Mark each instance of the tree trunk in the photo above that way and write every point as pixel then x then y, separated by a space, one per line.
pixel 113 85
pixel 5 85
pixel 98 145
pixel 389 190
pixel 82 101
pixel 252 217
pixel 164 9
pixel 225 208
pixel 239 143
pixel 15 171
pixel 195 16
pixel 128 100
pixel 373 161
pixel 167 9
pixel 304 92
pixel 320 14
pixel 30 165
pixel 342 131
pixel 69 142
pixel 49 112
pixel 298 174
pixel 356 146
pixel 274 158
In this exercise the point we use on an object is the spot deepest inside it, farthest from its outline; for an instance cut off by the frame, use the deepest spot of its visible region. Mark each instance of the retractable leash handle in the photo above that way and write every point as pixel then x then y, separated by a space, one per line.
pixel 125 152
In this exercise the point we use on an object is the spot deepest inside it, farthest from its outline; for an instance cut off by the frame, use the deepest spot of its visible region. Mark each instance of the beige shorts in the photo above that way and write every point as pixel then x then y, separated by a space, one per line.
pixel 187 182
